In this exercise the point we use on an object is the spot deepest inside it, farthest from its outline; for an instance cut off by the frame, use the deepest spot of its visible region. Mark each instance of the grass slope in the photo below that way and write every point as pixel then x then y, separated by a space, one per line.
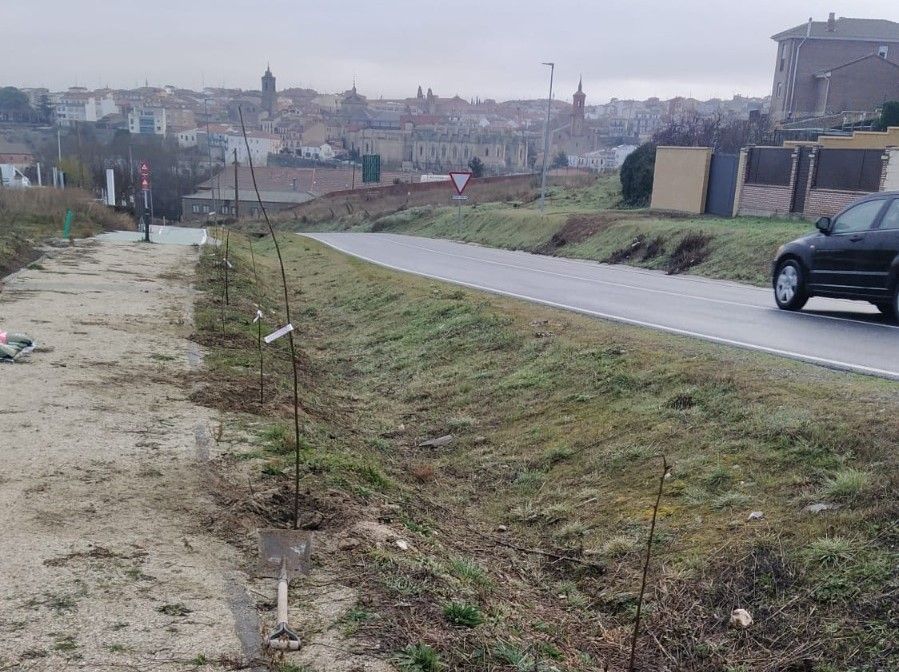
pixel 583 223
pixel 30 216
pixel 527 531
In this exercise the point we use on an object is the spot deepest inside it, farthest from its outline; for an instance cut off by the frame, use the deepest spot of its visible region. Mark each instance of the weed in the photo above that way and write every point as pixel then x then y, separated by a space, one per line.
pixel 65 643
pixel 847 484
pixel 830 551
pixel 199 659
pixel 729 500
pixel 558 454
pixel 116 648
pixel 419 658
pixel 176 609
pixel 469 571
pixel 618 546
pixel 467 615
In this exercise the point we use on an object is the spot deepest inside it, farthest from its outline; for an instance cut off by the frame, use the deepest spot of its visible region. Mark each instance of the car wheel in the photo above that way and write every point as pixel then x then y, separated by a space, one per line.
pixel 789 286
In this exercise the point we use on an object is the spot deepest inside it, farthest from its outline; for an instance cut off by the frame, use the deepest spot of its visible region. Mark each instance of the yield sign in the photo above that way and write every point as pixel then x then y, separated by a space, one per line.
pixel 460 180
pixel 144 169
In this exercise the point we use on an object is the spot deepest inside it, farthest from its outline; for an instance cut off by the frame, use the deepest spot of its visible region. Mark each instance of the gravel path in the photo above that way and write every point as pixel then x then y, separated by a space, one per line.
pixel 107 560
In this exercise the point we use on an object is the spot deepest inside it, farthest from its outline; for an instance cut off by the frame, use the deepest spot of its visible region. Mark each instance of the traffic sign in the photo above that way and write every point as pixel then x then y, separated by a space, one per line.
pixel 144 168
pixel 145 183
pixel 460 181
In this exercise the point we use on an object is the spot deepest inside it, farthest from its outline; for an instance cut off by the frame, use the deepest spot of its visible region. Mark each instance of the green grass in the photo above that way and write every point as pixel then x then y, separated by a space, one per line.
pixel 419 658
pixel 557 448
pixel 467 615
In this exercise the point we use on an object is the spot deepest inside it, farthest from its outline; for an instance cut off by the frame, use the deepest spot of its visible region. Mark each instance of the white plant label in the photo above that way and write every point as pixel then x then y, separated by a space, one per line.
pixel 258 316
pixel 275 335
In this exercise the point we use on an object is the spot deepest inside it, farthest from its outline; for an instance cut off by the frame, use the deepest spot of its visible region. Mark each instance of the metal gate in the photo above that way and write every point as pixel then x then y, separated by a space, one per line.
pixel 800 188
pixel 722 185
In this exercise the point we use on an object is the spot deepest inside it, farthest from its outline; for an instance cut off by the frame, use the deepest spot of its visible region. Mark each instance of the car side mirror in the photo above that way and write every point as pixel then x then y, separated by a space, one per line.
pixel 823 225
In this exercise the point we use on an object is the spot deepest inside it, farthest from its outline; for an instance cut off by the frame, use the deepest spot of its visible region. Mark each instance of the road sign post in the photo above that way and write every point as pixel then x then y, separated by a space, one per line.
pixel 460 181
pixel 145 189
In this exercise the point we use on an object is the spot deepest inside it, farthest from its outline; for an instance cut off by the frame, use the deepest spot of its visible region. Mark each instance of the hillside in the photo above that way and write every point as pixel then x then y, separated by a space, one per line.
pixel 523 533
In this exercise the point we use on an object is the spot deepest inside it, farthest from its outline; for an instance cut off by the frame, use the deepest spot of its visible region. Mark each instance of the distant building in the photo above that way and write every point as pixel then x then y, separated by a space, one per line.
pixel 15 154
pixel 147 121
pixel 79 105
pixel 833 66
pixel 269 93
pixel 187 138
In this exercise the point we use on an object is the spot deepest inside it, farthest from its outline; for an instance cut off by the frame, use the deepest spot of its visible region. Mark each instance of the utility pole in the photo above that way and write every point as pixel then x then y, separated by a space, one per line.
pixel 236 198
pixel 549 106
pixel 209 147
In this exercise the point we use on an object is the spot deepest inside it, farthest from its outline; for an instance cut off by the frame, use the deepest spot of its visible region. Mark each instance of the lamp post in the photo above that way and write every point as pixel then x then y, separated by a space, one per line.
pixel 549 103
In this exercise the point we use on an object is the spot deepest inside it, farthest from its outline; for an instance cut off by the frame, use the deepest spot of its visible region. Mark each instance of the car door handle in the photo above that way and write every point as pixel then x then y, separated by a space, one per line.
pixel 857 237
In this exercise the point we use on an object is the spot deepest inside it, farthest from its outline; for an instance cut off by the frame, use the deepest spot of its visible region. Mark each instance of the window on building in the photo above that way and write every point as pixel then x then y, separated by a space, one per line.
pixel 420 150
pixel 883 51
pixel 205 209
pixel 486 151
pixel 195 208
pixel 783 62
pixel 780 87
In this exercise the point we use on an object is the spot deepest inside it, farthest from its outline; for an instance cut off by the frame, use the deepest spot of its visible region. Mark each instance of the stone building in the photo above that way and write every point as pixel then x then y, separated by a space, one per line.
pixel 269 93
pixel 833 66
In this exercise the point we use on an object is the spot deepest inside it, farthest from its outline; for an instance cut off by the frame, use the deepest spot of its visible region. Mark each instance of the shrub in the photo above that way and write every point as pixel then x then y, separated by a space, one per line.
pixel 636 175
pixel 467 615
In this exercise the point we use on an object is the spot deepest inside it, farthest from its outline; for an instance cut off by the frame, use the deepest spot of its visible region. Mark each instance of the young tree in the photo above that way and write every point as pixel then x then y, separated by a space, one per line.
pixel 889 115
pixel 477 167
pixel 636 175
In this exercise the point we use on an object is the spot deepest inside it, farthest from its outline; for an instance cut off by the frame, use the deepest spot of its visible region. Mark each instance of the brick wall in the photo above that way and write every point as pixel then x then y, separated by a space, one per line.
pixel 828 202
pixel 767 200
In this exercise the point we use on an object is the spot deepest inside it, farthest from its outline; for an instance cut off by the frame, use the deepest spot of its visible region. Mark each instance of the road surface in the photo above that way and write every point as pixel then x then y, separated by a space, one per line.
pixel 168 235
pixel 838 334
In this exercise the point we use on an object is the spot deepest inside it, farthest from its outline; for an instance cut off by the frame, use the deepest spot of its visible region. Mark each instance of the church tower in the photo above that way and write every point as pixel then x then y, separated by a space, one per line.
pixel 269 94
pixel 577 113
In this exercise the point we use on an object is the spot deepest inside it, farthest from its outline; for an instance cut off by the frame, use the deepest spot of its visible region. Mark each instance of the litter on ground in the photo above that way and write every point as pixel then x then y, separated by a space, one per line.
pixel 14 345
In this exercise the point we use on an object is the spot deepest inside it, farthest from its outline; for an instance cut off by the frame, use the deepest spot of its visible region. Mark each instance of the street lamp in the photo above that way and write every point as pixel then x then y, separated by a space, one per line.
pixel 549 103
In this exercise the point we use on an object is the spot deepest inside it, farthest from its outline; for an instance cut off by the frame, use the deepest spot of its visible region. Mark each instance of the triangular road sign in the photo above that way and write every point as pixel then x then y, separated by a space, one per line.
pixel 460 180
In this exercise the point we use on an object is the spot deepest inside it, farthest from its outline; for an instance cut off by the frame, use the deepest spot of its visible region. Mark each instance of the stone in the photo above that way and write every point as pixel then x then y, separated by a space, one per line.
pixel 402 544
pixel 348 543
pixel 756 515
pixel 740 618
pixel 439 442
pixel 502 528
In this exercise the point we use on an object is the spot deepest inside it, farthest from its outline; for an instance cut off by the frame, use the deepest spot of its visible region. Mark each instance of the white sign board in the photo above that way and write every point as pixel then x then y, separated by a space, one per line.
pixel 279 333
pixel 460 181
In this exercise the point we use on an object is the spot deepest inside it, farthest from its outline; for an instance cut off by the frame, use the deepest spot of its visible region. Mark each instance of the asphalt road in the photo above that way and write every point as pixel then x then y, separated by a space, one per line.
pixel 847 335
pixel 166 235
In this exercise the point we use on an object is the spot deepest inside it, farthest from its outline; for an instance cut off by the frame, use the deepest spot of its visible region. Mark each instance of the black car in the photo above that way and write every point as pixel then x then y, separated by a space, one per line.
pixel 854 255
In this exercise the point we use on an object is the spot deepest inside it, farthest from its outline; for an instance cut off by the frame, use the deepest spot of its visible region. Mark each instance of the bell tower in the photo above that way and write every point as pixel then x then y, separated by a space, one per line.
pixel 577 112
pixel 269 93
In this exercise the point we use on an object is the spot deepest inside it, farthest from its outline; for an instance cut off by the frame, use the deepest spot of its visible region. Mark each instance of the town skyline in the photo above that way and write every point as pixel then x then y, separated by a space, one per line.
pixel 388 57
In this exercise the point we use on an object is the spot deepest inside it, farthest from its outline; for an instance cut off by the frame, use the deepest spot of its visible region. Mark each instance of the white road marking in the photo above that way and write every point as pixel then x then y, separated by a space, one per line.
pixel 833 363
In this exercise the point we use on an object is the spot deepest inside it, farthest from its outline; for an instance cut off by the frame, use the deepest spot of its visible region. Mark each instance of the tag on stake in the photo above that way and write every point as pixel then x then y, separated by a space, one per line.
pixel 258 316
pixel 279 333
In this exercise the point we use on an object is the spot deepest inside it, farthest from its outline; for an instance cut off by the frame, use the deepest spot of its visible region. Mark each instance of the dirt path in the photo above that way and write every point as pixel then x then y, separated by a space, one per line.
pixel 106 558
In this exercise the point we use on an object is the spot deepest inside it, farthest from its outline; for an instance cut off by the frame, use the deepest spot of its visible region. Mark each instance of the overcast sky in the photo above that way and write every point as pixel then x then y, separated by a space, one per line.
pixel 486 48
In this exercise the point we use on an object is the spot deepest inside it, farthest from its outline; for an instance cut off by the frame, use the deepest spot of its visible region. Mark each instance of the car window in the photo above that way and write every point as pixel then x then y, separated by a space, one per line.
pixel 858 218
pixel 891 216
